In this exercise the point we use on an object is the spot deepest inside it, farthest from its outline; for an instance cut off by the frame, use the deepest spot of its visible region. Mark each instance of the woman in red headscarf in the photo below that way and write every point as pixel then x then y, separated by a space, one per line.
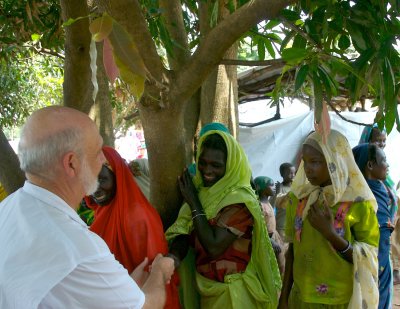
pixel 126 220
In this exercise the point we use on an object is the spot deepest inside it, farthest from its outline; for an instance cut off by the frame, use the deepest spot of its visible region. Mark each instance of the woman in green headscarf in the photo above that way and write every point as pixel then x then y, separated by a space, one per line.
pixel 233 261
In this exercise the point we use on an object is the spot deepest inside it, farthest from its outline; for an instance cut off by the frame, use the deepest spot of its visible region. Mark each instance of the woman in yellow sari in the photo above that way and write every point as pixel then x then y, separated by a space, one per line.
pixel 332 230
pixel 231 257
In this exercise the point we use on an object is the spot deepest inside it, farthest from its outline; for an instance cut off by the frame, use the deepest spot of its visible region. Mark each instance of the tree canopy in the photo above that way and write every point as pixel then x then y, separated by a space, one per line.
pixel 167 51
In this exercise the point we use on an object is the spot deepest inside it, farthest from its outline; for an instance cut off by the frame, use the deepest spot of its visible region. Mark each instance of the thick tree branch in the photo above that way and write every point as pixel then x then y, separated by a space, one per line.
pixel 213 48
pixel 172 14
pixel 129 14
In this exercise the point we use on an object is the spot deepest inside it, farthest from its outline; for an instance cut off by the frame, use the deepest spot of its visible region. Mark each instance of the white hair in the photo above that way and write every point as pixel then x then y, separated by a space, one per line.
pixel 41 158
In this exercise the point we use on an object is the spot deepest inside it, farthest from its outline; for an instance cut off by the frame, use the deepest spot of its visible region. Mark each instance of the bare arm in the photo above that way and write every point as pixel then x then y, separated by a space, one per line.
pixel 215 240
pixel 154 287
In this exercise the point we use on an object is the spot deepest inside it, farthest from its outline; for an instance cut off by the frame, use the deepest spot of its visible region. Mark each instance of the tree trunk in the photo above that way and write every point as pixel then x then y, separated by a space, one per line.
pixel 77 86
pixel 219 95
pixel 165 142
pixel 11 176
pixel 168 92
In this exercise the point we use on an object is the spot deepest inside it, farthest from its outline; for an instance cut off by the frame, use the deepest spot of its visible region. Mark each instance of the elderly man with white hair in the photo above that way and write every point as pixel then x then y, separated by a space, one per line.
pixel 49 258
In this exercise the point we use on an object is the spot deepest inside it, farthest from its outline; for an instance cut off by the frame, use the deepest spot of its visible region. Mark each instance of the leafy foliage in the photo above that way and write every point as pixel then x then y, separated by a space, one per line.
pixel 325 61
pixel 26 84
pixel 323 42
pixel 20 19
pixel 29 29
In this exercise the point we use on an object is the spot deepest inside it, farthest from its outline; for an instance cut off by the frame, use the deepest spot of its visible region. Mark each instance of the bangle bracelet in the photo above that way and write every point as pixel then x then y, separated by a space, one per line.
pixel 198 215
pixel 345 249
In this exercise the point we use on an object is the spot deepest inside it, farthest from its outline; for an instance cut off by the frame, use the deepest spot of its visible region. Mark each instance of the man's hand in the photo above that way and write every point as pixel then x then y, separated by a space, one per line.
pixel 139 274
pixel 163 265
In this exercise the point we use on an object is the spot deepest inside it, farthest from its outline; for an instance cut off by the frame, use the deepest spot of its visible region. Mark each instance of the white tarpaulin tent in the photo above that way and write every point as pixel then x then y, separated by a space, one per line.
pixel 269 145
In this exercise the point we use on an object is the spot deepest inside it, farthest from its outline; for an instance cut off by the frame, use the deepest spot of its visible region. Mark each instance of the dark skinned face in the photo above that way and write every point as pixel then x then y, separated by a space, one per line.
pixel 379 168
pixel 315 167
pixel 107 187
pixel 378 138
pixel 212 166
pixel 269 191
pixel 288 174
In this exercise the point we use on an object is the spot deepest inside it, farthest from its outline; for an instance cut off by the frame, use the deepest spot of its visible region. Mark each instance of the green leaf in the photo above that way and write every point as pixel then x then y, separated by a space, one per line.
pixel 101 27
pixel 388 80
pixel 231 6
pixel 71 21
pixel 299 41
pixel 290 15
pixel 344 42
pixel 389 94
pixel 294 55
pixel 127 58
pixel 318 98
pixel 327 82
pixel 343 66
pixel 270 48
pixel 261 49
pixel 357 36
pixel 301 76
pixel 287 39
pixel 35 37
pixel 272 23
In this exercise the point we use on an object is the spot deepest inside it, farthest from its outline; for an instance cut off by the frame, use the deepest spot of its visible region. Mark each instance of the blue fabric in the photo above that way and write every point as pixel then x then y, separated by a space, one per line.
pixel 385 228
pixel 360 153
pixel 384 216
pixel 208 127
pixel 366 133
pixel 213 126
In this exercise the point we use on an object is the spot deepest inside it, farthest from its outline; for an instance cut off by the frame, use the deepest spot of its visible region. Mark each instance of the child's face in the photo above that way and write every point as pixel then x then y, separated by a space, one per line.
pixel 268 191
pixel 288 174
pixel 378 138
pixel 315 167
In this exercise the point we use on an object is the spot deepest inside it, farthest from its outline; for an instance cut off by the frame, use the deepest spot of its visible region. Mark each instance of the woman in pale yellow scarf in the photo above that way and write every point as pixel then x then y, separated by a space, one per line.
pixel 332 231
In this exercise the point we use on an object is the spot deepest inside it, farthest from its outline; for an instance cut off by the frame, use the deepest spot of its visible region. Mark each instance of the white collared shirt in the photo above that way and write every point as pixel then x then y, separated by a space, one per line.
pixel 50 259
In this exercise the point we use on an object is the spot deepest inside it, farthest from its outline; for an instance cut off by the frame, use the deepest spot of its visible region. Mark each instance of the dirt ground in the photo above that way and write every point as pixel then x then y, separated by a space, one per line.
pixel 396 297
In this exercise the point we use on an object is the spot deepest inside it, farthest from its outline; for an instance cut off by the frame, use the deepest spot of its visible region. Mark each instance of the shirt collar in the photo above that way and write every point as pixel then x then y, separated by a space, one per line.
pixel 52 200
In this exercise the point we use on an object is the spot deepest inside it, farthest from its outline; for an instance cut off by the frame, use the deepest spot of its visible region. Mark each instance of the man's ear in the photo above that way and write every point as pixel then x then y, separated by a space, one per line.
pixel 369 165
pixel 71 164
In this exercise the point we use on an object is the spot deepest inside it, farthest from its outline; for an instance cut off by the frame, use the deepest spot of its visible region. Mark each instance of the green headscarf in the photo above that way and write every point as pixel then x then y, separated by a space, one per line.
pixel 259 285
